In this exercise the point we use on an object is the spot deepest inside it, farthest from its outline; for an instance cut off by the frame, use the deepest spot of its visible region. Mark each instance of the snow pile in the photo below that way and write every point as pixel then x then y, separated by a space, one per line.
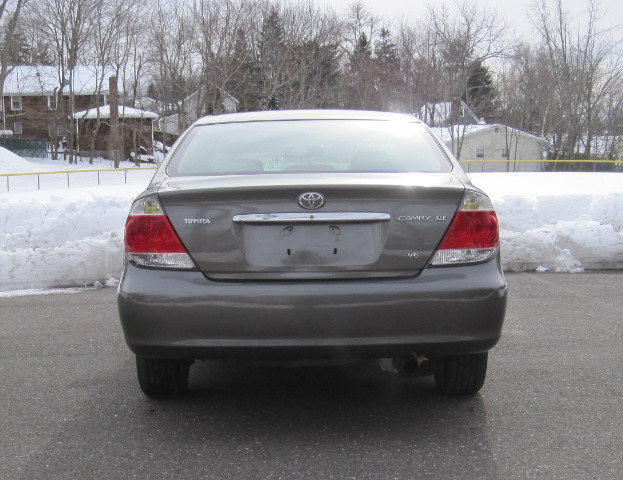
pixel 63 238
pixel 74 236
pixel 11 163
pixel 564 222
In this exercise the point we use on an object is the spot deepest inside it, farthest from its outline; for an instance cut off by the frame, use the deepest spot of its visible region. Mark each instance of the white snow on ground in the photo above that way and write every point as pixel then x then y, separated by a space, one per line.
pixel 71 237
pixel 564 222
pixel 11 163
pixel 63 238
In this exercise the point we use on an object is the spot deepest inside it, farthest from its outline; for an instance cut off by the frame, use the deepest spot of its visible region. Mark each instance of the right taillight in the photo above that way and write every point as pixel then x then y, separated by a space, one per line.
pixel 150 240
pixel 473 234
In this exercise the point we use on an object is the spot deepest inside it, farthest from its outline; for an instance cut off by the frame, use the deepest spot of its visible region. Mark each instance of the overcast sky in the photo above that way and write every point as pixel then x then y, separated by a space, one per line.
pixel 515 11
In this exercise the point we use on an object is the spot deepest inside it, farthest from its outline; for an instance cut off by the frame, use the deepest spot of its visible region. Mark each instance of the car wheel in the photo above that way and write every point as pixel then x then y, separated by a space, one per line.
pixel 462 374
pixel 161 377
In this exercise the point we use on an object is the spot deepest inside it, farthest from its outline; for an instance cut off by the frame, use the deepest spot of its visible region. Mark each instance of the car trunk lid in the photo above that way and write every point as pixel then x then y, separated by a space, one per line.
pixel 259 227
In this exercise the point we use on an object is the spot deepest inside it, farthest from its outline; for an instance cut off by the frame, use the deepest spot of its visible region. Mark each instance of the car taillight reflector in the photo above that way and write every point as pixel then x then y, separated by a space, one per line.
pixel 150 239
pixel 472 235
pixel 151 234
pixel 472 230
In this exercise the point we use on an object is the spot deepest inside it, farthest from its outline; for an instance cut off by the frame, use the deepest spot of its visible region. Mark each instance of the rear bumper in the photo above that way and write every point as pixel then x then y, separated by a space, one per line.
pixel 443 311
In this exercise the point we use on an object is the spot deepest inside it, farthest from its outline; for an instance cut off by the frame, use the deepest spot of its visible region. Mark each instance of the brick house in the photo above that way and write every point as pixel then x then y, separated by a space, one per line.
pixel 33 109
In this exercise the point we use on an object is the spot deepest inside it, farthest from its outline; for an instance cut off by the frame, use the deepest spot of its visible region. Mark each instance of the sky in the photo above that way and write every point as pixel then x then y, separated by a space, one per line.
pixel 515 12
pixel 72 237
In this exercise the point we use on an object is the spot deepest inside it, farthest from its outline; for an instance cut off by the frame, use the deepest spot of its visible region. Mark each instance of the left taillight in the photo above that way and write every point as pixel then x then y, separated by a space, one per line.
pixel 150 240
pixel 473 234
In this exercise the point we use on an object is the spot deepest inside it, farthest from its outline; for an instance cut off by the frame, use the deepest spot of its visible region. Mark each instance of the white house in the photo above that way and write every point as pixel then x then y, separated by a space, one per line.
pixel 493 147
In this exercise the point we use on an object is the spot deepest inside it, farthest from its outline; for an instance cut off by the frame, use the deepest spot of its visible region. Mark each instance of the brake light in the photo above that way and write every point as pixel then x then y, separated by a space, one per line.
pixel 473 234
pixel 150 240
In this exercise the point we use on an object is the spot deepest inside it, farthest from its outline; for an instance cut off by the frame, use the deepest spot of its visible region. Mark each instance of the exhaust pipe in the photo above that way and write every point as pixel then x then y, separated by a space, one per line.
pixel 408 364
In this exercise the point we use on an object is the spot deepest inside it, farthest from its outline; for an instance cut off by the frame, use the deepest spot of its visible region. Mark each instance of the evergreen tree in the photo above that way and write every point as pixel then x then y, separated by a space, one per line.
pixel 317 72
pixel 273 60
pixel 152 91
pixel 481 94
pixel 389 82
pixel 19 52
pixel 244 82
pixel 362 91
pixel 40 53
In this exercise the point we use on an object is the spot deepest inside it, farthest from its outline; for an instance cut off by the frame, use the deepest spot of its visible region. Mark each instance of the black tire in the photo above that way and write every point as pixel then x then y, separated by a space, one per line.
pixel 462 374
pixel 161 377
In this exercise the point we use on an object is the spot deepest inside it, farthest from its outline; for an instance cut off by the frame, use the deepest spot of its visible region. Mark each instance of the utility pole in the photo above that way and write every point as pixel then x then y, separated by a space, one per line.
pixel 115 146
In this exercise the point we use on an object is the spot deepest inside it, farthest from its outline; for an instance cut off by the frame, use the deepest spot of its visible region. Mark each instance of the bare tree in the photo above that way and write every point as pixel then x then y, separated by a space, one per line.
pixel 465 41
pixel 313 36
pixel 359 21
pixel 220 25
pixel 421 66
pixel 172 55
pixel 66 25
pixel 111 47
pixel 7 31
pixel 359 71
pixel 586 65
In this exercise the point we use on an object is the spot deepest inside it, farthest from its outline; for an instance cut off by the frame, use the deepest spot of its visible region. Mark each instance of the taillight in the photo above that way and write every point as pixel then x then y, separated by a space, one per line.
pixel 150 240
pixel 473 234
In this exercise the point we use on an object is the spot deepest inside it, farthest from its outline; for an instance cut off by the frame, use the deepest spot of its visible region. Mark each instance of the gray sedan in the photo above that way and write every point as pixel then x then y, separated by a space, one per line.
pixel 312 235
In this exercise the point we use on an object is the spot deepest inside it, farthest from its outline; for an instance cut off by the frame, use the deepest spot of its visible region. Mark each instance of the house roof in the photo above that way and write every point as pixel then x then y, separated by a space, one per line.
pixel 445 134
pixel 44 80
pixel 124 112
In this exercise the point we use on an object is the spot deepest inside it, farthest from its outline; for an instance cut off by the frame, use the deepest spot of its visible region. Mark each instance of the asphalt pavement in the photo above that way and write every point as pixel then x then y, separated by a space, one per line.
pixel 552 405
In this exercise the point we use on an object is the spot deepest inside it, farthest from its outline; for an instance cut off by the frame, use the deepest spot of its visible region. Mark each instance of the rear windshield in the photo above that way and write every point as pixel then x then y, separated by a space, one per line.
pixel 307 146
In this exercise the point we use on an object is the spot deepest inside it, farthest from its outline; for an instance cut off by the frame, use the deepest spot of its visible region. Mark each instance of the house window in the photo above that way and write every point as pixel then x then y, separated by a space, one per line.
pixel 51 102
pixel 504 153
pixel 480 153
pixel 16 102
pixel 17 128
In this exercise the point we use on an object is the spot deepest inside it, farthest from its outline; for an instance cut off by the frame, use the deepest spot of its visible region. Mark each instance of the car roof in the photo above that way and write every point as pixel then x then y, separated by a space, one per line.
pixel 274 115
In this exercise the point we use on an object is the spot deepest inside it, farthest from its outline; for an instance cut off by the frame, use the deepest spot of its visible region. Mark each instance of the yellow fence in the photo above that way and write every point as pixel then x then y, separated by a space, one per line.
pixel 541 161
pixel 62 178
pixel 534 165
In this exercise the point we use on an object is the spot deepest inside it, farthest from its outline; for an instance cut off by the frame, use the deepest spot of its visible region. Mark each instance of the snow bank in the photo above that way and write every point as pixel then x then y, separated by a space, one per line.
pixel 63 238
pixel 71 237
pixel 564 222
pixel 9 162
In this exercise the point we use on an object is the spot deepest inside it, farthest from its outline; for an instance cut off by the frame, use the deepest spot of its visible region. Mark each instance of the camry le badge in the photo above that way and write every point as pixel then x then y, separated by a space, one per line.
pixel 311 200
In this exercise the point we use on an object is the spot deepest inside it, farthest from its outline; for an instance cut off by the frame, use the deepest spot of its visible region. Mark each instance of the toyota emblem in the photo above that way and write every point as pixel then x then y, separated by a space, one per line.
pixel 311 200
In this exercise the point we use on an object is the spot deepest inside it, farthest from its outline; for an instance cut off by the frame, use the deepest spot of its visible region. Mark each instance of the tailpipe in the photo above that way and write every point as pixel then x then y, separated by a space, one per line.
pixel 408 364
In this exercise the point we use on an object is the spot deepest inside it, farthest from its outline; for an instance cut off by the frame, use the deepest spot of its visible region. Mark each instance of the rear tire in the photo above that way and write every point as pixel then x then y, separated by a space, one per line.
pixel 462 374
pixel 161 377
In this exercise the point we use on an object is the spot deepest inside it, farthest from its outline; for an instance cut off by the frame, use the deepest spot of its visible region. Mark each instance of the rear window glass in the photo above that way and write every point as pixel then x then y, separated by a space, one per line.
pixel 307 146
